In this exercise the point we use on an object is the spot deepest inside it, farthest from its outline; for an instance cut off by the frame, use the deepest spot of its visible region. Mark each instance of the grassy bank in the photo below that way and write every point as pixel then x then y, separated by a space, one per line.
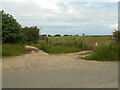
pixel 106 53
pixel 12 50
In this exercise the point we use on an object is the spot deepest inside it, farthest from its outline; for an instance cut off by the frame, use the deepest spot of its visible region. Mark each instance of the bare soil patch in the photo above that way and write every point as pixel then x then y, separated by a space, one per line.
pixel 41 60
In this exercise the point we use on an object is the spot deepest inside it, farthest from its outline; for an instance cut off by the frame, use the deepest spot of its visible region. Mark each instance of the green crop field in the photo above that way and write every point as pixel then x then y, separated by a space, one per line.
pixel 68 44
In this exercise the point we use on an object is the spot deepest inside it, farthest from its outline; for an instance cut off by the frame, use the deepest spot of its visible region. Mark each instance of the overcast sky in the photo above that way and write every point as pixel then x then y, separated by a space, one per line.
pixel 65 16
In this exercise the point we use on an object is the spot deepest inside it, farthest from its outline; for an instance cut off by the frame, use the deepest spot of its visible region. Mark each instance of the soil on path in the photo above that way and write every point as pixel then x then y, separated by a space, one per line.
pixel 40 61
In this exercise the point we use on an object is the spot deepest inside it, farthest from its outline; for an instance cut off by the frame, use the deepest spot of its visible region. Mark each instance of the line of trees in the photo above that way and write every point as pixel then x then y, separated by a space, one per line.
pixel 12 31
pixel 45 35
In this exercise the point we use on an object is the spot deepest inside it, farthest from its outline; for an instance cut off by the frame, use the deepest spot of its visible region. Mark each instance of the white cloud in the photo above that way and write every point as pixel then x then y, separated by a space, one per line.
pixel 51 13
pixel 114 26
pixel 47 4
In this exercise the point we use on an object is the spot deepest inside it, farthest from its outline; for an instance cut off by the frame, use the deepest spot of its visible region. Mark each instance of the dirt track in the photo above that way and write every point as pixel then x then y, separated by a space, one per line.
pixel 40 60
pixel 41 70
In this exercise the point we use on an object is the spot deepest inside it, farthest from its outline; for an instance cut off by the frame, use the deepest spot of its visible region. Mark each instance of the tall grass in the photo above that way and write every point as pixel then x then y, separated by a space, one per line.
pixel 12 50
pixel 59 45
pixel 106 53
pixel 69 44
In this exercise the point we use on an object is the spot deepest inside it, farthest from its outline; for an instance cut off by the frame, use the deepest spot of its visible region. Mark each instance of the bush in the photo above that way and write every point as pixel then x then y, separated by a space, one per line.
pixel 11 29
pixel 31 33
pixel 116 34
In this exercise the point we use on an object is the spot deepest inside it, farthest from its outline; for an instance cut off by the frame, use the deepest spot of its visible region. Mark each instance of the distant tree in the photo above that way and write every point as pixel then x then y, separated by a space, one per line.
pixel 44 35
pixel 83 34
pixel 57 35
pixel 11 29
pixel 31 33
pixel 49 35
pixel 66 35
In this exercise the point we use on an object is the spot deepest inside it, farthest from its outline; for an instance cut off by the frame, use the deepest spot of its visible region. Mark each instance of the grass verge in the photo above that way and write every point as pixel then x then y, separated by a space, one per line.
pixel 12 50
pixel 106 53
